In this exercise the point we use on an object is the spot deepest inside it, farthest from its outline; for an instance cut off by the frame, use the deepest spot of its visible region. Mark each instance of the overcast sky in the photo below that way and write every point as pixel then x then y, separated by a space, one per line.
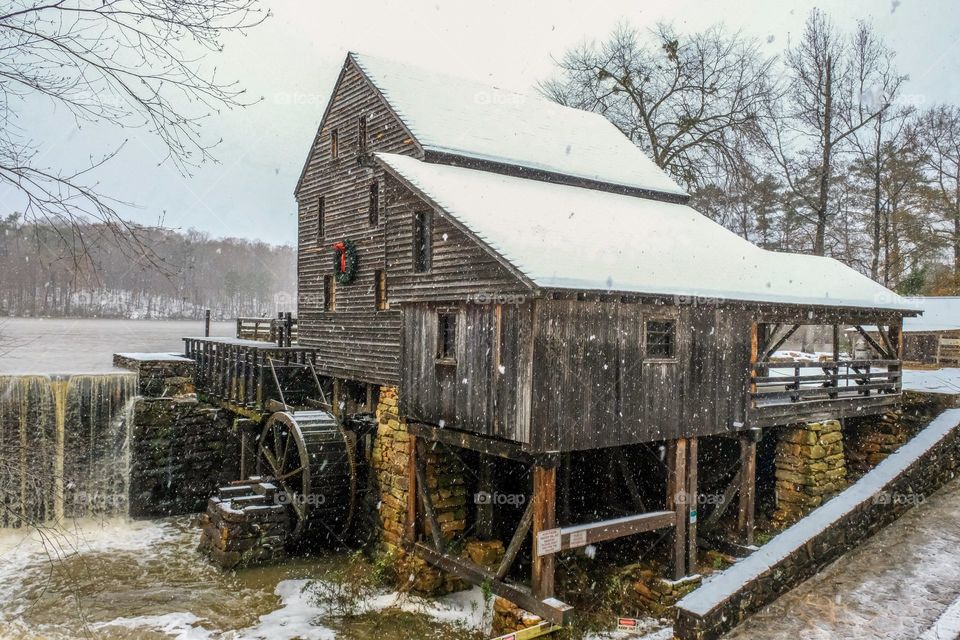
pixel 293 60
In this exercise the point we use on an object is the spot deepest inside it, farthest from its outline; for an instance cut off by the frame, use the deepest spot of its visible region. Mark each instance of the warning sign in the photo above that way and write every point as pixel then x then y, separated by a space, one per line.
pixel 548 542
pixel 629 624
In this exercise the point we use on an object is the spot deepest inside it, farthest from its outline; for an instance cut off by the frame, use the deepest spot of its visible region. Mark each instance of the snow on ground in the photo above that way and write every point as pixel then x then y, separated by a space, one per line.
pixel 894 586
pixel 945 381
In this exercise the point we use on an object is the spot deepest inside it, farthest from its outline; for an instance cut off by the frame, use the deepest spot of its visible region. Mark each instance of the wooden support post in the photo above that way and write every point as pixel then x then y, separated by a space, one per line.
pixel 544 518
pixel 410 530
pixel 748 481
pixel 485 507
pixel 677 502
pixel 206 323
pixel 692 505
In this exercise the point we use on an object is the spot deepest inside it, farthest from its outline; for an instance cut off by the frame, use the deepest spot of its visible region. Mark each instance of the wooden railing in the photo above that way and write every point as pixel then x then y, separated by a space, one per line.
pixel 778 383
pixel 281 330
pixel 251 375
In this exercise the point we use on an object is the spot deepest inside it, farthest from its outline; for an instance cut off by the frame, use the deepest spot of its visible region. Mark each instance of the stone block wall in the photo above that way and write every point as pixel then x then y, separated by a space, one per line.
pixel 445 483
pixel 509 618
pixel 810 468
pixel 870 441
pixel 921 466
pixel 181 451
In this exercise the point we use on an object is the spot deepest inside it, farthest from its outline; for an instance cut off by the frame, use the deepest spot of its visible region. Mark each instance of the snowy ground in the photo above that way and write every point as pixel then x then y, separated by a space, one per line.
pixel 932 381
pixel 900 584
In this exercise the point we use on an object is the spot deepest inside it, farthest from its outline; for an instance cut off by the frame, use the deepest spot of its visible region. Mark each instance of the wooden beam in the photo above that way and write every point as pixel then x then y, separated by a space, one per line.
pixel 769 352
pixel 425 499
pixel 748 481
pixel 464 440
pixel 692 505
pixel 628 479
pixel 410 528
pixel 677 501
pixel 725 501
pixel 547 608
pixel 544 518
pixel 873 343
pixel 485 486
pixel 576 536
pixel 516 542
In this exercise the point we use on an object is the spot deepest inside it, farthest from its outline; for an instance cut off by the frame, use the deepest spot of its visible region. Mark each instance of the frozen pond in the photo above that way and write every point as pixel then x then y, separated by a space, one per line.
pixel 87 345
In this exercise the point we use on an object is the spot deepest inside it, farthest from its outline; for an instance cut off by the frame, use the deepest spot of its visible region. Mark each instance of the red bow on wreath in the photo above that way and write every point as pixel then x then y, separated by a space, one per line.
pixel 341 248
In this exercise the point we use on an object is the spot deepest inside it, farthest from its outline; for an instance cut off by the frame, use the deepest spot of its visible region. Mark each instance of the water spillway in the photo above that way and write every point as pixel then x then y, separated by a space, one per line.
pixel 64 446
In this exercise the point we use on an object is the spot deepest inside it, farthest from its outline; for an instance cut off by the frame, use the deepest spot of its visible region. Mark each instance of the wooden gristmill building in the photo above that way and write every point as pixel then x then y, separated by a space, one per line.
pixel 539 295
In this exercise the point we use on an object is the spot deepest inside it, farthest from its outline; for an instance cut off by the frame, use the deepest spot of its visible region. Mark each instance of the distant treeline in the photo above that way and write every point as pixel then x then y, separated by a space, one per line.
pixel 52 270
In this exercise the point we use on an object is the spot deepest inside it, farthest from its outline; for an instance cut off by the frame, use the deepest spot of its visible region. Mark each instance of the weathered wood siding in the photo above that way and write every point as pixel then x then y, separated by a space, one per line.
pixel 593 387
pixel 487 390
pixel 356 341
pixel 460 269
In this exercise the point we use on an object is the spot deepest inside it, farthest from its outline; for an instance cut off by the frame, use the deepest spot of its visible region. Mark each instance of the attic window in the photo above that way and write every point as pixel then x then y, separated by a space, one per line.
pixel 374 212
pixel 661 339
pixel 334 143
pixel 446 337
pixel 422 241
pixel 362 135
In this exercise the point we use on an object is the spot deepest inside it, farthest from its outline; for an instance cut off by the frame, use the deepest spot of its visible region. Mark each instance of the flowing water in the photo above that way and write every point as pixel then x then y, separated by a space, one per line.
pixel 114 579
pixel 72 565
pixel 64 446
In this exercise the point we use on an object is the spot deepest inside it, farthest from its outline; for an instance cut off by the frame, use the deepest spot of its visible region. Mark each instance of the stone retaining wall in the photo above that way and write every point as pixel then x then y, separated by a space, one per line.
pixel 915 470
pixel 810 468
pixel 445 482
pixel 181 450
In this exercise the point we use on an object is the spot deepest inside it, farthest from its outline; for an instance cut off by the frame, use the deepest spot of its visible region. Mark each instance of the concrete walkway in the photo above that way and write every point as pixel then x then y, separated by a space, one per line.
pixel 895 586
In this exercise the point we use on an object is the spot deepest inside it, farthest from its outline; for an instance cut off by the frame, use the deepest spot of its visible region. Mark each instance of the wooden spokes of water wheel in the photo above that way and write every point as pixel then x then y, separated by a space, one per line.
pixel 311 459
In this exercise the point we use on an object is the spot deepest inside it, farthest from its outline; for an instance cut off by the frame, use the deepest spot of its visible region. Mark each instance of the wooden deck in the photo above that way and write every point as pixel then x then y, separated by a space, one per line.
pixel 247 375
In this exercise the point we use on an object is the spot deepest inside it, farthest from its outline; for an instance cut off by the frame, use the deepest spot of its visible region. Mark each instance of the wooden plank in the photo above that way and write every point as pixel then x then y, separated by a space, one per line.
pixel 692 505
pixel 575 536
pixel 733 487
pixel 547 608
pixel 411 522
pixel 676 502
pixel 873 343
pixel 466 440
pixel 519 536
pixel 424 492
pixel 748 479
pixel 779 343
pixel 544 518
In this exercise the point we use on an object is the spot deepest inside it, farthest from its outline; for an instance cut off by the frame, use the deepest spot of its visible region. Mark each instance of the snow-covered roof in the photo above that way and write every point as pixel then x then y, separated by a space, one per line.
pixel 939 314
pixel 466 118
pixel 566 237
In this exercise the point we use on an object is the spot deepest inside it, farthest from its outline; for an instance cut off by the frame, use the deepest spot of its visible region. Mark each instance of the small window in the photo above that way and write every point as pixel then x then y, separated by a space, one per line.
pixel 374 204
pixel 422 241
pixel 334 144
pixel 661 339
pixel 362 135
pixel 329 293
pixel 382 303
pixel 321 219
pixel 446 337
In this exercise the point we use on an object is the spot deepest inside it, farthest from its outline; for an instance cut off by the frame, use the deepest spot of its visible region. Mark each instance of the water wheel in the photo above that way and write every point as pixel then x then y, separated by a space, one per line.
pixel 311 459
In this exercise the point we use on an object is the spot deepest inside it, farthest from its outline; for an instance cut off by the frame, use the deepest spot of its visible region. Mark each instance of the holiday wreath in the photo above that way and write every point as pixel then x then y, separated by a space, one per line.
pixel 345 261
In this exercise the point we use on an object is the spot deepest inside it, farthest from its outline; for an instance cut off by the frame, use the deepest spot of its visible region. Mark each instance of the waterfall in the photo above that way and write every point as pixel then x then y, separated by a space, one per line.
pixel 64 446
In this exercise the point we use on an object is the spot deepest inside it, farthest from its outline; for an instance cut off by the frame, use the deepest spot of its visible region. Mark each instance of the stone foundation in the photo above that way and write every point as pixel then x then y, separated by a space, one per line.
pixel 160 375
pixel 509 618
pixel 181 451
pixel 810 468
pixel 657 595
pixel 869 441
pixel 445 482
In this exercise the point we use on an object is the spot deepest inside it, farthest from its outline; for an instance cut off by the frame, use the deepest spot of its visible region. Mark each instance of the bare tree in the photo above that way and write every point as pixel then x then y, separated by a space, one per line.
pixel 123 63
pixel 938 133
pixel 875 87
pixel 688 101
pixel 808 126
